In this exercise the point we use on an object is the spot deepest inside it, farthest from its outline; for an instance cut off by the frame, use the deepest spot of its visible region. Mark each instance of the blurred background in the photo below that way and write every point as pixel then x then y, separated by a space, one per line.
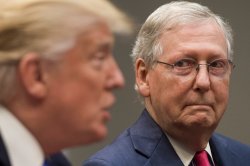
pixel 235 122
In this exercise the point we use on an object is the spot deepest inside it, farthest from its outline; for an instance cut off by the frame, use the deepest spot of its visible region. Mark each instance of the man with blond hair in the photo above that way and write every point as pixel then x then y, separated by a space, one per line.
pixel 57 73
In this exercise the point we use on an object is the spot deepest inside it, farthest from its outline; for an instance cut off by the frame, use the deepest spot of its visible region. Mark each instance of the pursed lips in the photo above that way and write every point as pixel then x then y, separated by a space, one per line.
pixel 200 105
pixel 204 107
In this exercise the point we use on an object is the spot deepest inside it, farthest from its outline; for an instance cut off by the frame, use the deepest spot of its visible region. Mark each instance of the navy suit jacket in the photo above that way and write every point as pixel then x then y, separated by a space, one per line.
pixel 145 144
pixel 54 160
pixel 4 159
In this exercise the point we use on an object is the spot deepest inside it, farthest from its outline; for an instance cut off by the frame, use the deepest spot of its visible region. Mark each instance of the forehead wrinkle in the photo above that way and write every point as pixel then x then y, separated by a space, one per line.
pixel 183 38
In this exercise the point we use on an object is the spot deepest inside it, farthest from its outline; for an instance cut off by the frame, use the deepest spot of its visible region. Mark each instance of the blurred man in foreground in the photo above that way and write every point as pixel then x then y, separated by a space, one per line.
pixel 183 62
pixel 57 74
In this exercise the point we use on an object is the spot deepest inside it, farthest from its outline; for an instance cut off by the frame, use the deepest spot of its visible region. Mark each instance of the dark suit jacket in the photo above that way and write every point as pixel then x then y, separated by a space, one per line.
pixel 54 160
pixel 4 159
pixel 145 144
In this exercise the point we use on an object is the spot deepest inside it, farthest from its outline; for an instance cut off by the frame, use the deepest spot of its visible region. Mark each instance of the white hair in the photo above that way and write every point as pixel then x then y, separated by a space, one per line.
pixel 169 16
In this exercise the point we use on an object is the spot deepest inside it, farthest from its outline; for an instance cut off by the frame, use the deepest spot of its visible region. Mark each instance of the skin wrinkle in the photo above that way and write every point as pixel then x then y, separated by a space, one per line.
pixel 188 104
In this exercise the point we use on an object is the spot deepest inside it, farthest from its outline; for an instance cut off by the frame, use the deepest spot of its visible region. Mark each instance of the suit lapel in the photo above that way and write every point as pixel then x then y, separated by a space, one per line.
pixel 4 159
pixel 164 154
pixel 149 140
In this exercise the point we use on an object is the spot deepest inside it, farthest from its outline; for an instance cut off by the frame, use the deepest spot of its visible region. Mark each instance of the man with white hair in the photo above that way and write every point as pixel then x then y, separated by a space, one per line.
pixel 57 73
pixel 183 62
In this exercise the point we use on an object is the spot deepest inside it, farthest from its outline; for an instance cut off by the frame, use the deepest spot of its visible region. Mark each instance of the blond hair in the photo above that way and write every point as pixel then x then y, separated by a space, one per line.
pixel 49 28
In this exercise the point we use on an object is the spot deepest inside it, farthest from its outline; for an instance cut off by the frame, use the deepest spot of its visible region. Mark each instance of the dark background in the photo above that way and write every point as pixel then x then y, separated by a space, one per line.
pixel 235 122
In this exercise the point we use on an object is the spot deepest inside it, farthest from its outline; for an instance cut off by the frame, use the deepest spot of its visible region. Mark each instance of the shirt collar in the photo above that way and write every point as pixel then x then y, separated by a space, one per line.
pixel 186 155
pixel 21 145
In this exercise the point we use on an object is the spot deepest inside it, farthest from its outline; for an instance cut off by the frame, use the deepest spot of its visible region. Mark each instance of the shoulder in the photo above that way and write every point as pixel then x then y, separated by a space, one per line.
pixel 135 146
pixel 229 141
pixel 121 152
pixel 231 145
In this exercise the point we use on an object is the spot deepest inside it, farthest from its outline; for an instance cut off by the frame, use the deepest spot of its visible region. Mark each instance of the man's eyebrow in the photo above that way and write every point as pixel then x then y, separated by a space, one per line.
pixel 107 44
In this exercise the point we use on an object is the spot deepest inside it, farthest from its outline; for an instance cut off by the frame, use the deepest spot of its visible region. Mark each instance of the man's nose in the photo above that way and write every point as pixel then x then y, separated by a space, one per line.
pixel 202 79
pixel 115 76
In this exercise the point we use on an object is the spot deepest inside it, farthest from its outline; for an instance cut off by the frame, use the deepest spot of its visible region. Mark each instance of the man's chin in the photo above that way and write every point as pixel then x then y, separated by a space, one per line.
pixel 97 134
pixel 201 123
pixel 101 133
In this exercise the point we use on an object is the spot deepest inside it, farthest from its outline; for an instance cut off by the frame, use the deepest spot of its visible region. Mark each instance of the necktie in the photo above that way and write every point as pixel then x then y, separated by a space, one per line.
pixel 201 158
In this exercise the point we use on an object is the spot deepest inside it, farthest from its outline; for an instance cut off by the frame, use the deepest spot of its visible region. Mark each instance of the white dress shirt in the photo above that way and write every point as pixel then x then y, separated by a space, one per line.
pixel 22 147
pixel 185 154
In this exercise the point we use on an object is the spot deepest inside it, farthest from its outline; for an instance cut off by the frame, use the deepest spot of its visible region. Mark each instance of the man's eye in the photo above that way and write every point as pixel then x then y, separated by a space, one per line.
pixel 100 56
pixel 218 64
pixel 99 60
pixel 184 63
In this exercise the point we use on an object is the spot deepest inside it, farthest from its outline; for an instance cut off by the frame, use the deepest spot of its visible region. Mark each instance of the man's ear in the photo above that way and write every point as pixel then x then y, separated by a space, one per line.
pixel 31 76
pixel 141 74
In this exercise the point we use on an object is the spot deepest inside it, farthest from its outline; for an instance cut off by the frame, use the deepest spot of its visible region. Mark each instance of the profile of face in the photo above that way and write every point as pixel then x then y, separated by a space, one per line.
pixel 181 98
pixel 81 85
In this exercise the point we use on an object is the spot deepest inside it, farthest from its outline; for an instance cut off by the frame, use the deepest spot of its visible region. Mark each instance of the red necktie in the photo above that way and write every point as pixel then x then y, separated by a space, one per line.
pixel 201 158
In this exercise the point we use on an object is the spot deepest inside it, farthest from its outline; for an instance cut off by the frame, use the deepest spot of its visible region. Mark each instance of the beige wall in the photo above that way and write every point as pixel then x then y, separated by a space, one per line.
pixel 235 123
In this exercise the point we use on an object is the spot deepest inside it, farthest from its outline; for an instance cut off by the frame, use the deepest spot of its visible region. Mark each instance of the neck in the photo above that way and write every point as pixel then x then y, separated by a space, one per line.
pixel 193 139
